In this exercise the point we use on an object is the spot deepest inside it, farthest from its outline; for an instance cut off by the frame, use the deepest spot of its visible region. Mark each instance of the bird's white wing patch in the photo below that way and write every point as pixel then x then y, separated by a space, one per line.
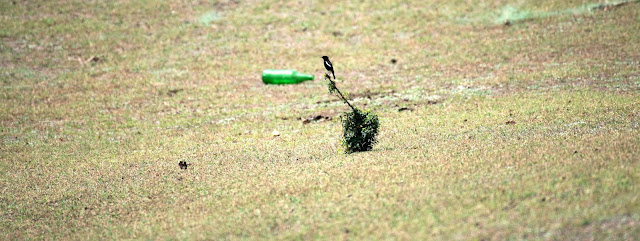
pixel 327 63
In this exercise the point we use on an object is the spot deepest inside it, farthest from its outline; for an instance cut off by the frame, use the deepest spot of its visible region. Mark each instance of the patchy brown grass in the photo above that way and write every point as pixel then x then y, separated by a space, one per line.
pixel 488 131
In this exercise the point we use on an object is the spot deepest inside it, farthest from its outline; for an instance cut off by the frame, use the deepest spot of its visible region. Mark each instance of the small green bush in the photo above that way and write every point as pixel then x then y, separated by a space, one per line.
pixel 359 129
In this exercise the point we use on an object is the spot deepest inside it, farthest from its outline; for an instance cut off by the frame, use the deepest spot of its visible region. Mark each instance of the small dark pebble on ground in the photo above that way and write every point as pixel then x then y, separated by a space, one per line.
pixel 183 165
pixel 173 92
pixel 316 118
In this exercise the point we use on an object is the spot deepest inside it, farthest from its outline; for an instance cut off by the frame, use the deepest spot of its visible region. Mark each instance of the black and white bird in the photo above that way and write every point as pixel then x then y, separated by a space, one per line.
pixel 328 65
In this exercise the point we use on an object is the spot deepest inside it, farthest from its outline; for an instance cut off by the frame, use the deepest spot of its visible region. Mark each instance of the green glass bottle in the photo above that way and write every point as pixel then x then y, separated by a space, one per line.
pixel 284 76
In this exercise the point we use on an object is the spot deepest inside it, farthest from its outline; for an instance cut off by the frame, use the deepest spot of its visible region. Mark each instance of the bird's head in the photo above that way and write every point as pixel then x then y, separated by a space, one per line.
pixel 325 57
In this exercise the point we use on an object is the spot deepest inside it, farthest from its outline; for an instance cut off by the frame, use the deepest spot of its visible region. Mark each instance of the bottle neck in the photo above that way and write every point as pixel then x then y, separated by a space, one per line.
pixel 301 76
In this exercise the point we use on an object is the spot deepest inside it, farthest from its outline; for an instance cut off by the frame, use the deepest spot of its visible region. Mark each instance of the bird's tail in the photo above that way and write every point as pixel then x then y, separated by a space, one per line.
pixel 334 75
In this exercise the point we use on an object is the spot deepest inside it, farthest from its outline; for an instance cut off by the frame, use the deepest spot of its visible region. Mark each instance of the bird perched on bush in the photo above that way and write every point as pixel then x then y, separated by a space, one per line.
pixel 328 65
pixel 360 128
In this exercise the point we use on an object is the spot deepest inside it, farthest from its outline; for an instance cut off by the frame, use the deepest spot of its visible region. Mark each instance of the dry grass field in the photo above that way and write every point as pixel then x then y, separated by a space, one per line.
pixel 499 120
